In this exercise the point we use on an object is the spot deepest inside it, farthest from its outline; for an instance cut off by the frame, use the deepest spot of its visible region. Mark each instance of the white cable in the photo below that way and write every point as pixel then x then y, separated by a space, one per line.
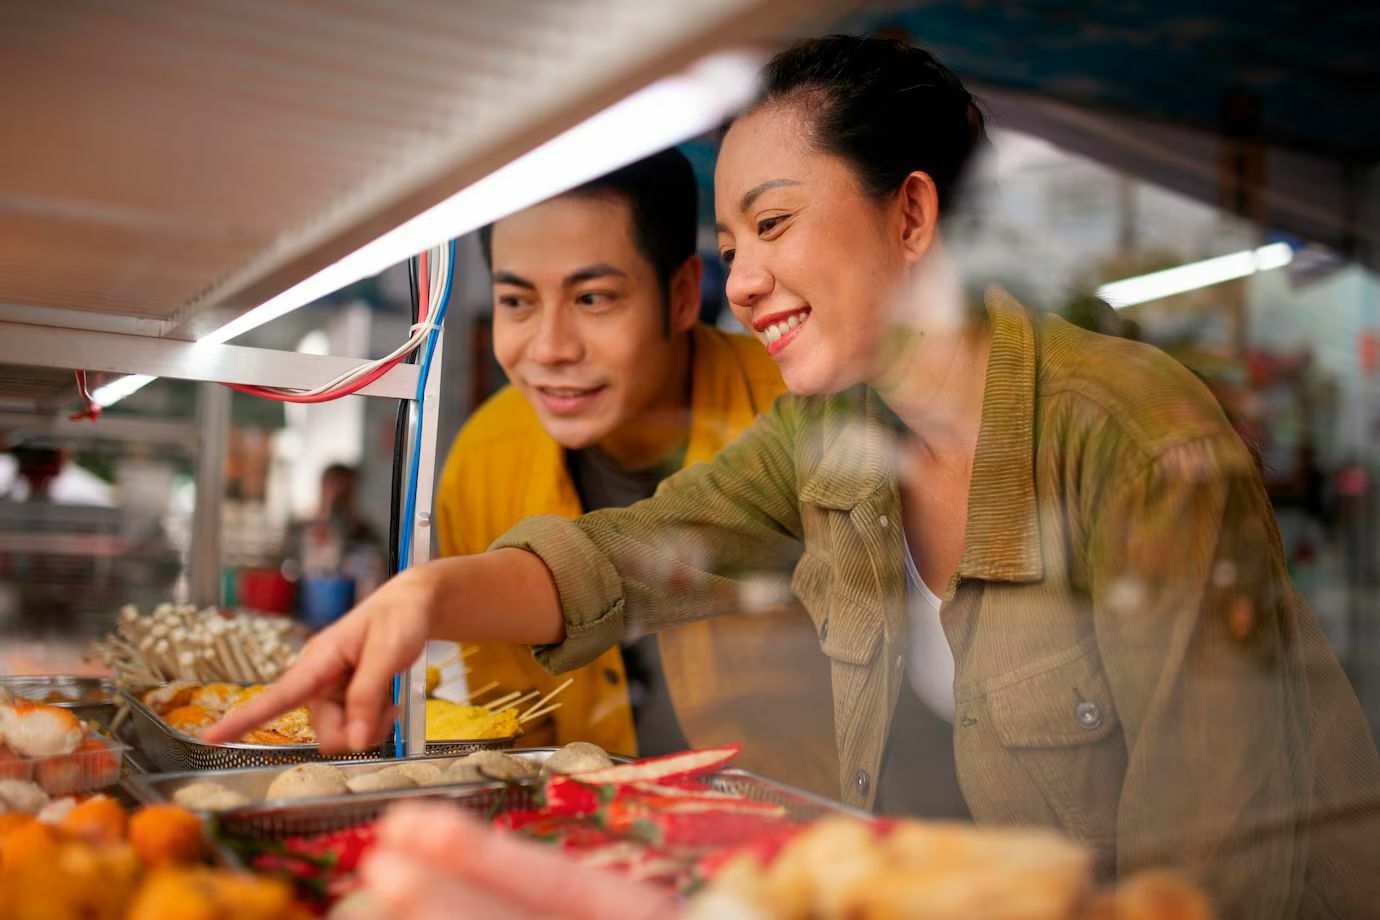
pixel 438 269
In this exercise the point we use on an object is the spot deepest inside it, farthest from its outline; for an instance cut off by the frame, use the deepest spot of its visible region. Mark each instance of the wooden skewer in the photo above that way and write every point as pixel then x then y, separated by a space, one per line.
pixel 469 651
pixel 502 700
pixel 482 690
pixel 526 697
pixel 538 713
pixel 453 655
pixel 552 695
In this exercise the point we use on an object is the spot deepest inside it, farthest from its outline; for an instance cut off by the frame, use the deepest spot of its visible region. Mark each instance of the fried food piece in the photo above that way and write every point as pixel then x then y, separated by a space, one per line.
pixel 421 773
pixel 212 894
pixel 216 698
pixel 577 757
pixel 168 697
pixel 163 834
pixel 209 797
pixel 189 719
pixel 98 820
pixel 380 781
pixel 266 736
pixel 491 765
pixel 306 780
pixel 1156 894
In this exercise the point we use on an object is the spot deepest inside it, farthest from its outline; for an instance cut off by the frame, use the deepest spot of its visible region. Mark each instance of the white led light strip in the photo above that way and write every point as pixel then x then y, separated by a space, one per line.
pixel 665 113
pixel 1195 275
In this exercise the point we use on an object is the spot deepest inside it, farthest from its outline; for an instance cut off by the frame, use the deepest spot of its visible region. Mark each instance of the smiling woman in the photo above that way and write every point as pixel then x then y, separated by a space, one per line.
pixel 1086 536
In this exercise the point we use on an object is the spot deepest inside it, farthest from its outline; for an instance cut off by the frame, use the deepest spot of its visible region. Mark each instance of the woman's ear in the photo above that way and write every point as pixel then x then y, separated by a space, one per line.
pixel 684 308
pixel 919 207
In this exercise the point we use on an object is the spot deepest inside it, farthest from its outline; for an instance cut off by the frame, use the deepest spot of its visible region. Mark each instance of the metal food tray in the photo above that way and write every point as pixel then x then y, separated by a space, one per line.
pixel 306 817
pixel 278 818
pixel 36 687
pixel 165 748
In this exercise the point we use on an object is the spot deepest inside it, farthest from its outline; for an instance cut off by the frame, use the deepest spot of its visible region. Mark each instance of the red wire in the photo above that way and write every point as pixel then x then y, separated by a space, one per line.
pixel 90 409
pixel 355 385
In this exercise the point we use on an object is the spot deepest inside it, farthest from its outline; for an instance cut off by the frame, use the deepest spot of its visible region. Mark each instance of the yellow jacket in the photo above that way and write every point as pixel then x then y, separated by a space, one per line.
pixel 733 679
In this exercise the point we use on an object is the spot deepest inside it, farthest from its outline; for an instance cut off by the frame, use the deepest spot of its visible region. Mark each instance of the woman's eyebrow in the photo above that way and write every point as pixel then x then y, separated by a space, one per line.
pixel 753 193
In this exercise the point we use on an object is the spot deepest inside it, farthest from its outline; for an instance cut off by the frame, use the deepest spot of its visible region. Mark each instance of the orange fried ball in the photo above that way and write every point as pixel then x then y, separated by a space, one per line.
pixel 163 834
pixel 98 820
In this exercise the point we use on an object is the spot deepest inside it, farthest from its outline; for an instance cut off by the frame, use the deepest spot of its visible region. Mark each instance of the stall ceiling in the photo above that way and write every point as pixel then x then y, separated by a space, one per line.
pixel 169 165
pixel 1313 67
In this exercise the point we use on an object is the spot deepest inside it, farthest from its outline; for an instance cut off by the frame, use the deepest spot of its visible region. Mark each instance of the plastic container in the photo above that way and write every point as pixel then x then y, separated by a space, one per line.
pixel 95 765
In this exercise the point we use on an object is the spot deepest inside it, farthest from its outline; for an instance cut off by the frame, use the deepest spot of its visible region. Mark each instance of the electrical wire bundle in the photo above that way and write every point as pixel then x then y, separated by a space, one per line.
pixel 433 285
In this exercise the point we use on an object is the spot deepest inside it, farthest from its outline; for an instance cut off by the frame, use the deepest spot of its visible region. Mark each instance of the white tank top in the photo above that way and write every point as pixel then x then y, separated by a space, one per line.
pixel 931 669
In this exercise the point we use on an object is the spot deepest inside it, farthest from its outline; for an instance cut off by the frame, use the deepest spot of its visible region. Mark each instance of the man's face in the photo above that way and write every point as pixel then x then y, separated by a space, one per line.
pixel 579 320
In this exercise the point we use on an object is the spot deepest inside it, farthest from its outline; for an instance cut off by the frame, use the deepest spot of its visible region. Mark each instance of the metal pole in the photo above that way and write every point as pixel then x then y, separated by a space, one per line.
pixel 203 564
pixel 414 683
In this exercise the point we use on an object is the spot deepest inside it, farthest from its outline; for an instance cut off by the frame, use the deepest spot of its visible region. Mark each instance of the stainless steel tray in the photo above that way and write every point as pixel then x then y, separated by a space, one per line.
pixel 35 687
pixel 163 747
pixel 276 821
pixel 277 818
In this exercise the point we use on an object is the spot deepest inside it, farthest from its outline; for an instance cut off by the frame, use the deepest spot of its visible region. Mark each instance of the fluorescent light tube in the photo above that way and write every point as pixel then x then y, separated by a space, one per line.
pixel 665 113
pixel 109 394
pixel 1190 277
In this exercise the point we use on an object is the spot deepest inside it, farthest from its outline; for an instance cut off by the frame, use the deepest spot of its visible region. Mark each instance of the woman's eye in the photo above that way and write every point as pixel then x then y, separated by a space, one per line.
pixel 509 301
pixel 727 256
pixel 766 224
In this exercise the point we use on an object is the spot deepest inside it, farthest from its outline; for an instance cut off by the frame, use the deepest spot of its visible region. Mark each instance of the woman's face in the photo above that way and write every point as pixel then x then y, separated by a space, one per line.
pixel 813 261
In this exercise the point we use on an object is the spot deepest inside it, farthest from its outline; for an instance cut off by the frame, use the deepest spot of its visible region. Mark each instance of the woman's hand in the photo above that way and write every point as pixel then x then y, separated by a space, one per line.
pixel 344 673
pixel 435 861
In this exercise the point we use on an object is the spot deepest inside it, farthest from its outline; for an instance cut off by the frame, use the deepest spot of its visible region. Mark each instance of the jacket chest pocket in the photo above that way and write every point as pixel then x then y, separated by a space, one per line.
pixel 849 632
pixel 1060 724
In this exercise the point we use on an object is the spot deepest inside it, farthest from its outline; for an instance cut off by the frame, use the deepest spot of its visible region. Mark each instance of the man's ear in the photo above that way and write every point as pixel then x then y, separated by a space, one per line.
pixel 918 200
pixel 683 311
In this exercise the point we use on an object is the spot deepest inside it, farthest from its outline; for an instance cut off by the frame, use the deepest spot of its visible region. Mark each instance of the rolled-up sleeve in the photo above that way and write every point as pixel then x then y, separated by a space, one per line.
pixel 681 555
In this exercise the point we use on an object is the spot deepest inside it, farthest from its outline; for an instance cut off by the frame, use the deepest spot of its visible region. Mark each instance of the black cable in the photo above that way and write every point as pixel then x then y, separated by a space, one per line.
pixel 400 439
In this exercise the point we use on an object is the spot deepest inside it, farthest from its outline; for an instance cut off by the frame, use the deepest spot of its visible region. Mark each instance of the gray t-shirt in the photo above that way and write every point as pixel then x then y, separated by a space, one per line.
pixel 602 483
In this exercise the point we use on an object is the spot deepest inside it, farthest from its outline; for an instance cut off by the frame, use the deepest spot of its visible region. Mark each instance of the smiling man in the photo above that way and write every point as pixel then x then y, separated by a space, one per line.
pixel 613 386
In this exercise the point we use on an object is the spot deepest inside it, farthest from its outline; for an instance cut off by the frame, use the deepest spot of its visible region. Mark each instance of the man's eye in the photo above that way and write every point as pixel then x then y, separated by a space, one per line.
pixel 509 301
pixel 727 256
pixel 593 298
pixel 767 223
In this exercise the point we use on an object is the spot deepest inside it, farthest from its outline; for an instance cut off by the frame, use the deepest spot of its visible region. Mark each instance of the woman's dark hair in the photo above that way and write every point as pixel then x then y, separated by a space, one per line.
pixel 886 107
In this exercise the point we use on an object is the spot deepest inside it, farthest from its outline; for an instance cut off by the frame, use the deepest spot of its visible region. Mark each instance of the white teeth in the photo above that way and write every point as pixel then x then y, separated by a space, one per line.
pixel 776 330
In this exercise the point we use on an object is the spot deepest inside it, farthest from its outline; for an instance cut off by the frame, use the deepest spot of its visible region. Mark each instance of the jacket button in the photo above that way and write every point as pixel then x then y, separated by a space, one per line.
pixel 1088 714
pixel 861 780
pixel 611 676
pixel 824 631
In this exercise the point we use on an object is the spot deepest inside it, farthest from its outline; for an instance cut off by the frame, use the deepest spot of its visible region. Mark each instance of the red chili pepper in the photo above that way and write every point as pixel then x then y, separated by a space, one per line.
pixel 565 796
pixel 665 768
pixel 707 829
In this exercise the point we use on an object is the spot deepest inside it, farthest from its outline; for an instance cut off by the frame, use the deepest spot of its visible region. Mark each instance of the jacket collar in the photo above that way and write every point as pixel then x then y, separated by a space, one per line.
pixel 857 450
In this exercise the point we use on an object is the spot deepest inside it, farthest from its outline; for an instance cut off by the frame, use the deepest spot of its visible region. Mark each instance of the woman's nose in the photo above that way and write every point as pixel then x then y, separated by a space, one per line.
pixel 747 284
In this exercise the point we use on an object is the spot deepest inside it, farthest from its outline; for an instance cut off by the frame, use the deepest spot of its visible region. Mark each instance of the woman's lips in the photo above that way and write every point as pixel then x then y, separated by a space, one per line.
pixel 568 400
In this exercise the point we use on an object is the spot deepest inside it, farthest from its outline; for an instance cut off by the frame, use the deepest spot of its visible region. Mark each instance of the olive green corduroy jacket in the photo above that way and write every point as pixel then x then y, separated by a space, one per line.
pixel 1133 665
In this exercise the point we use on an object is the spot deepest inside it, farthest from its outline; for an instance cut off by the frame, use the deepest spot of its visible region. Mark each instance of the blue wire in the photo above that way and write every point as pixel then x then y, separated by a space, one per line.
pixel 414 467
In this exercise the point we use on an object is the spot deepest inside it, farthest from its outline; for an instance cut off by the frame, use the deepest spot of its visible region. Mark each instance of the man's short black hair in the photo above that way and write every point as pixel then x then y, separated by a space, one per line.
pixel 664 203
